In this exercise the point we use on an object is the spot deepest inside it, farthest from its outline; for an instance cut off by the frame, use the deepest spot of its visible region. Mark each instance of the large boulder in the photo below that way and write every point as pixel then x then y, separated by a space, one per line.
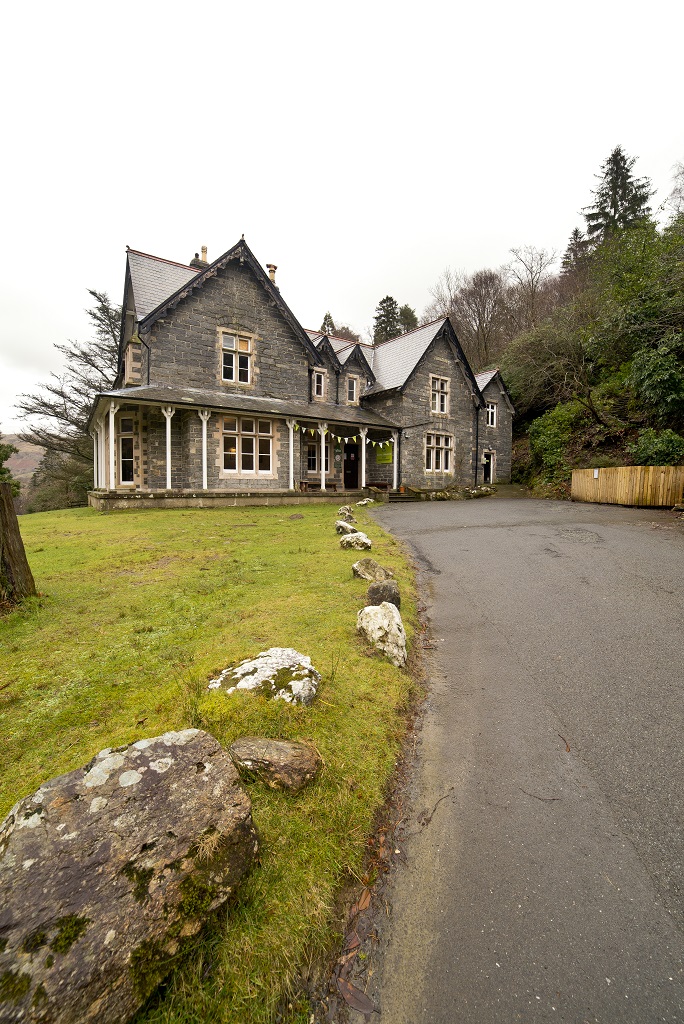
pixel 382 627
pixel 343 527
pixel 388 590
pixel 280 673
pixel 281 764
pixel 358 541
pixel 369 569
pixel 106 872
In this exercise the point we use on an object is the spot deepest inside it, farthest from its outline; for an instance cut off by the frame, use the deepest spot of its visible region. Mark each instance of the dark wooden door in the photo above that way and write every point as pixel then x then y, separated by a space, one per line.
pixel 351 467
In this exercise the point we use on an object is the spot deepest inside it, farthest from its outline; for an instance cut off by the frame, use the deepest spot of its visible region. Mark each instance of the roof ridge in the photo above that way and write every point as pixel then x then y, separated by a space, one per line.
pixel 421 327
pixel 161 259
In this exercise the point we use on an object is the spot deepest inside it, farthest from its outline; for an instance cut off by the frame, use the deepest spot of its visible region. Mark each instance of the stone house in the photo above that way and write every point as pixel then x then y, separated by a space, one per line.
pixel 223 396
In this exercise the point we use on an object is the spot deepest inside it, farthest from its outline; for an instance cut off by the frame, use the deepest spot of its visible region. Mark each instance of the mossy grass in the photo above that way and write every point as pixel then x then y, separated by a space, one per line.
pixel 137 611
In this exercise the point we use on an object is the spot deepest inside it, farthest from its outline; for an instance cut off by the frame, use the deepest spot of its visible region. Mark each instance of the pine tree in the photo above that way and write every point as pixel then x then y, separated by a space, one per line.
pixel 407 319
pixel 328 325
pixel 576 254
pixel 386 322
pixel 620 201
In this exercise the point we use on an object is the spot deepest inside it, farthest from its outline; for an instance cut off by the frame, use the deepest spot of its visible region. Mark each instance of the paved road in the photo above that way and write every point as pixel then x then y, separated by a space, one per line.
pixel 548 884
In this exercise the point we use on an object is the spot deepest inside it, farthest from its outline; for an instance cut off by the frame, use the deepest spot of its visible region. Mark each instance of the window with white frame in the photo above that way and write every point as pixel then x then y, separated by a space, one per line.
pixel 236 357
pixel 312 457
pixel 438 453
pixel 352 390
pixel 319 384
pixel 439 389
pixel 247 446
pixel 490 409
pixel 126 468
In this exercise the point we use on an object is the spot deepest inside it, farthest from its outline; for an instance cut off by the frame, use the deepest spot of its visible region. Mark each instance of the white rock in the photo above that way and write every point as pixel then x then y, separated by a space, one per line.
pixel 280 673
pixel 343 527
pixel 382 626
pixel 356 540
pixel 366 501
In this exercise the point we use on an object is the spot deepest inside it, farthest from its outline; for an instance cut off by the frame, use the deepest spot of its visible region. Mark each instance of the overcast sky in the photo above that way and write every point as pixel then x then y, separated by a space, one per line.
pixel 362 147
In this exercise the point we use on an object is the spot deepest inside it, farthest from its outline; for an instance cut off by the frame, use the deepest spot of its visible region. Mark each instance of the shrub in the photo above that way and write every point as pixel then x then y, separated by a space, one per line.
pixel 550 436
pixel 658 448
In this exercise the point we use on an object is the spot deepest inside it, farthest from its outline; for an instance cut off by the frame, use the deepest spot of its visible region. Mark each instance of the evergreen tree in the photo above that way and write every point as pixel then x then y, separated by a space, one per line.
pixel 328 326
pixel 576 254
pixel 386 322
pixel 347 334
pixel 407 319
pixel 620 201
pixel 6 451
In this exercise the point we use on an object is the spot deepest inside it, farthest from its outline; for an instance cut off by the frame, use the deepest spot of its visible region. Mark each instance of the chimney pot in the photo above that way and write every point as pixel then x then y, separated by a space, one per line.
pixel 271 267
pixel 204 253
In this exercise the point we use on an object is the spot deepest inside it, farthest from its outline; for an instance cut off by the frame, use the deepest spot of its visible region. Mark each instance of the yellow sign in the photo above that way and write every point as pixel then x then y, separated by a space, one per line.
pixel 383 456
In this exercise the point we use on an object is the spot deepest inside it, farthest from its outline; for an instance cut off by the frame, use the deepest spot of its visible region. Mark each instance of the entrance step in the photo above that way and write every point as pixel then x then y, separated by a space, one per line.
pixel 396 497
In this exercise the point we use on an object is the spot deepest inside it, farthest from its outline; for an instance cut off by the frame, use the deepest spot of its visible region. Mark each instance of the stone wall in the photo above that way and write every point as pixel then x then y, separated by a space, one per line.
pixel 412 411
pixel 498 439
pixel 185 347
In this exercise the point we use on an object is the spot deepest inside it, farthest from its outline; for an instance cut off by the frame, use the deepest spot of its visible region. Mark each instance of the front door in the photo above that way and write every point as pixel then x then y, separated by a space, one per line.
pixel 351 467
pixel 488 475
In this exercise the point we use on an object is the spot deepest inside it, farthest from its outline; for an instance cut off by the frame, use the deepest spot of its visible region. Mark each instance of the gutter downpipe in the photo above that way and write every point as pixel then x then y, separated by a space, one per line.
pixel 477 439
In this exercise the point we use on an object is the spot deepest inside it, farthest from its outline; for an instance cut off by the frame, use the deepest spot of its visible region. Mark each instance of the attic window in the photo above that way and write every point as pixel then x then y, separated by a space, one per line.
pixel 439 395
pixel 352 390
pixel 319 384
pixel 236 357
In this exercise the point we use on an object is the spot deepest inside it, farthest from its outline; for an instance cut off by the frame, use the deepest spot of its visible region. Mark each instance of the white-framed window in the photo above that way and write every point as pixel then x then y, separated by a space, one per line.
pixel 236 357
pixel 352 390
pixel 439 394
pixel 438 453
pixel 126 464
pixel 319 382
pixel 490 409
pixel 247 446
pixel 312 456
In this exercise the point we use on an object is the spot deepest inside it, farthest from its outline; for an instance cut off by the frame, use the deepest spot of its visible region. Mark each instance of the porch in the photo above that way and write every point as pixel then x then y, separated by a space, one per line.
pixel 109 501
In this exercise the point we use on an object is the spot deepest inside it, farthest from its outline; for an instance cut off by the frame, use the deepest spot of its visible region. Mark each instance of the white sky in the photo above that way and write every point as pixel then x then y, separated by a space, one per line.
pixel 362 147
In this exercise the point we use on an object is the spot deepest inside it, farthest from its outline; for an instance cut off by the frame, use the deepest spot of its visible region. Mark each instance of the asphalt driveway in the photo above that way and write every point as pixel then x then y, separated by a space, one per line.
pixel 544 875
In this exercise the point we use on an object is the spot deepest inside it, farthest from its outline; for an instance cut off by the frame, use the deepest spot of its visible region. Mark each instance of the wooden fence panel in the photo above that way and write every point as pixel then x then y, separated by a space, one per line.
pixel 658 486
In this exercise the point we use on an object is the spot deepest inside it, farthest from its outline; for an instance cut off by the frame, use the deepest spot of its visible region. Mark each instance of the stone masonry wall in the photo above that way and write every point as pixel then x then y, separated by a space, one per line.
pixel 186 346
pixel 498 439
pixel 412 411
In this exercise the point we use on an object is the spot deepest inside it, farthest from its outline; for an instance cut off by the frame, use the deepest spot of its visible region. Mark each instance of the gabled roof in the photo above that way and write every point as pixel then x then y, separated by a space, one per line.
pixel 485 377
pixel 154 279
pixel 394 360
pixel 185 286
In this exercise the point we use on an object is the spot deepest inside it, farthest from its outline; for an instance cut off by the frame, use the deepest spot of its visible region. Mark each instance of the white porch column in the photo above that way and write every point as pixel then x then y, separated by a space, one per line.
pixel 94 435
pixel 290 427
pixel 395 459
pixel 322 430
pixel 363 432
pixel 204 415
pixel 113 409
pixel 168 411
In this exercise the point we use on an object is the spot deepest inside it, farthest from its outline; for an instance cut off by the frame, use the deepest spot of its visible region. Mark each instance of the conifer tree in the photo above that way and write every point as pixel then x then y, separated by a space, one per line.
pixel 407 319
pixel 576 254
pixel 386 321
pixel 328 325
pixel 620 201
pixel 6 451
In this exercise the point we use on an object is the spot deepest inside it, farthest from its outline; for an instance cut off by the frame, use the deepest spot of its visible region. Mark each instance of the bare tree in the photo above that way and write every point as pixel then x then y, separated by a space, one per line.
pixel 676 198
pixel 531 295
pixel 476 305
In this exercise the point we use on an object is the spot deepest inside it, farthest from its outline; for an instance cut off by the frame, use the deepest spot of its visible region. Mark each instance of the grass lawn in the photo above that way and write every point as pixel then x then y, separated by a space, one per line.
pixel 137 611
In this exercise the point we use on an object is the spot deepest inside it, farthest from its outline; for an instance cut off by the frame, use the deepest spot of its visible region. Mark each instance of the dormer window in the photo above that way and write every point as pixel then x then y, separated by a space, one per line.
pixel 236 357
pixel 319 385
pixel 352 390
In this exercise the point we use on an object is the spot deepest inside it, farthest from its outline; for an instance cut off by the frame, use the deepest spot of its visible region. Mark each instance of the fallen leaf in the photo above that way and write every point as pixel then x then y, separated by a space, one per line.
pixel 351 941
pixel 354 997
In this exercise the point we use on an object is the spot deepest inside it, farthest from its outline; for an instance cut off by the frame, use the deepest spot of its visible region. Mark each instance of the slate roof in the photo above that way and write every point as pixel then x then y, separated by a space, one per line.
pixel 153 280
pixel 393 361
pixel 196 398
pixel 342 347
pixel 485 377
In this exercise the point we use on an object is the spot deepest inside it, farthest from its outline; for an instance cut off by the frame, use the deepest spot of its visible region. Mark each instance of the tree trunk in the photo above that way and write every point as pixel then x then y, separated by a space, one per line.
pixel 16 580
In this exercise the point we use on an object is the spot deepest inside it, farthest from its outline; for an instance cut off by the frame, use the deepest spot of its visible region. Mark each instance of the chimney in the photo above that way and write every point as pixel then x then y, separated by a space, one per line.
pixel 271 267
pixel 197 263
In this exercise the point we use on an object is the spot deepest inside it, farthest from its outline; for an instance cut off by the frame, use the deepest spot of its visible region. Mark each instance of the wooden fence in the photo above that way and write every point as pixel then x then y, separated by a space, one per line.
pixel 629 485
